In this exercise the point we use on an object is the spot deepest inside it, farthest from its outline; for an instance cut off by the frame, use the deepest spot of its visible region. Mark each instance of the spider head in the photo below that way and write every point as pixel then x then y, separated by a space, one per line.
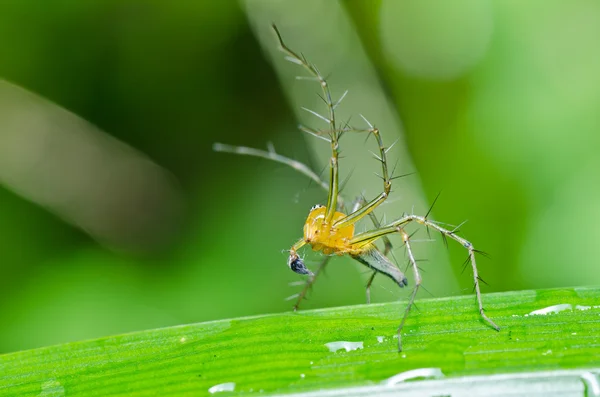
pixel 297 264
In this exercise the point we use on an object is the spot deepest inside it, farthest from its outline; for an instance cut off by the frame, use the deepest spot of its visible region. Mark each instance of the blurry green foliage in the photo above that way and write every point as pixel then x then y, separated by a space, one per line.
pixel 510 138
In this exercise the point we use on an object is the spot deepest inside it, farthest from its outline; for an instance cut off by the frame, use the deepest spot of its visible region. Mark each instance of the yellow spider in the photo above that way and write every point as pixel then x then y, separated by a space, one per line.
pixel 331 231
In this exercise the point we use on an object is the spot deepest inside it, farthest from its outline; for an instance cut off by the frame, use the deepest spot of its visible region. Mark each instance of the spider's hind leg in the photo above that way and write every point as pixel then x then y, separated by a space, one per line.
pixel 418 281
pixel 367 238
pixel 368 288
pixel 387 244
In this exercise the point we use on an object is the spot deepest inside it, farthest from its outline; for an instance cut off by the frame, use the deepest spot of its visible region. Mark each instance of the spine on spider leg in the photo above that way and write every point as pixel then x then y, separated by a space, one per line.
pixel 371 257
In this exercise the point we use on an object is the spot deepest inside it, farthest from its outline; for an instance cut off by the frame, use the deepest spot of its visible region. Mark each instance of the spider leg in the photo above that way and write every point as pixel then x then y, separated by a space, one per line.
pixel 361 201
pixel 332 196
pixel 358 202
pixel 278 158
pixel 311 280
pixel 387 185
pixel 274 156
pixel 334 134
pixel 365 240
pixel 368 292
pixel 387 244
pixel 418 281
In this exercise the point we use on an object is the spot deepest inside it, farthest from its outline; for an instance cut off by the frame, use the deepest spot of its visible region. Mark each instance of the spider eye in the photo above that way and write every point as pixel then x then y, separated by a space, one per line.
pixel 316 206
pixel 297 265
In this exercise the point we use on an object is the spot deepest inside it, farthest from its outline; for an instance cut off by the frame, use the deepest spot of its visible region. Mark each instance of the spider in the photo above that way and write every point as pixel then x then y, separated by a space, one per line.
pixel 329 230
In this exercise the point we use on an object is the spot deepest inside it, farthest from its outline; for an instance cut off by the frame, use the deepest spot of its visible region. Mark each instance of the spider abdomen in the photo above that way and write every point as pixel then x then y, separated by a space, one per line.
pixel 323 237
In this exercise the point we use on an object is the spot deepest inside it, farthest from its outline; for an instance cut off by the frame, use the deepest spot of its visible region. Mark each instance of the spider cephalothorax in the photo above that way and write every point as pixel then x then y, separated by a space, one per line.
pixel 325 236
pixel 331 231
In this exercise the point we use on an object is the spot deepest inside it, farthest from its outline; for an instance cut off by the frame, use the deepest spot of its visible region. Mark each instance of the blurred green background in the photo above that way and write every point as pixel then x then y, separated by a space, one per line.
pixel 499 103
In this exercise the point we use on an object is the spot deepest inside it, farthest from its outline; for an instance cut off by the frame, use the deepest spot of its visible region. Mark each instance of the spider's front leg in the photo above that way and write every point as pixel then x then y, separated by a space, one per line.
pixel 368 208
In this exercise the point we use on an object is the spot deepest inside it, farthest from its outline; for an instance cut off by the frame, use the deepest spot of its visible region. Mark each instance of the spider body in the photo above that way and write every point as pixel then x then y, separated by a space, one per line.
pixel 334 237
pixel 324 236
pixel 331 231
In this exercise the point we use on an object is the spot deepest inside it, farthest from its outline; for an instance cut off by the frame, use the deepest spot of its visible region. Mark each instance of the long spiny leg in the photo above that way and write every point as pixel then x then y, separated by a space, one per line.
pixel 271 155
pixel 278 158
pixel 334 134
pixel 359 202
pixel 418 280
pixel 368 289
pixel 387 244
pixel 311 280
pixel 367 238
pixel 355 216
pixel 466 244
pixel 387 249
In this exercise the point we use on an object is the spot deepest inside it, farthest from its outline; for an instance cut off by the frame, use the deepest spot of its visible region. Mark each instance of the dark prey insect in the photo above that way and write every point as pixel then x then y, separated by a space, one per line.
pixel 330 230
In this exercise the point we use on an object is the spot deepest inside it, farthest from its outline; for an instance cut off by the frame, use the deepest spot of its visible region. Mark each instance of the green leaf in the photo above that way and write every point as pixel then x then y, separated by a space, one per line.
pixel 285 353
